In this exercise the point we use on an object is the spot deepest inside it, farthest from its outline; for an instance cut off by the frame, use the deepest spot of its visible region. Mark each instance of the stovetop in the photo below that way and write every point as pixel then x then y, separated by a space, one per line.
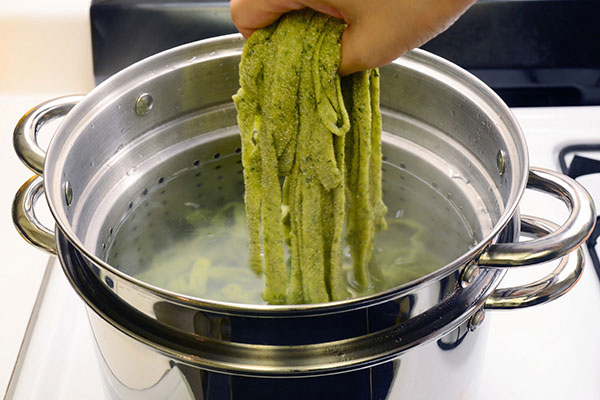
pixel 545 352
pixel 584 164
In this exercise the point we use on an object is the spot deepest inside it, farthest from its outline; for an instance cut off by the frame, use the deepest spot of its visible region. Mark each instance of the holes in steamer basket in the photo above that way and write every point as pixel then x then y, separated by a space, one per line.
pixel 209 180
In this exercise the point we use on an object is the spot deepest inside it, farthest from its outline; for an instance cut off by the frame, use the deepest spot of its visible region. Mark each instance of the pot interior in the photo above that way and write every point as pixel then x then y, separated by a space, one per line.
pixel 157 191
pixel 182 226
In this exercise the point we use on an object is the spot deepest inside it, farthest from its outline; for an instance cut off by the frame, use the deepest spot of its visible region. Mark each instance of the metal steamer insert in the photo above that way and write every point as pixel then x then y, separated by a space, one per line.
pixel 135 155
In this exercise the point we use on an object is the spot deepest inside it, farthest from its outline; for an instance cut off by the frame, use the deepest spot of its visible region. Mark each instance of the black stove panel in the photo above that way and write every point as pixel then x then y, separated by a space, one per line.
pixel 531 52
pixel 126 31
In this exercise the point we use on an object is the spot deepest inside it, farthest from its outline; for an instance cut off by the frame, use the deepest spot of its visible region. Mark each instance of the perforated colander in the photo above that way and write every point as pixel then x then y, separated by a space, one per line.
pixel 158 217
pixel 164 193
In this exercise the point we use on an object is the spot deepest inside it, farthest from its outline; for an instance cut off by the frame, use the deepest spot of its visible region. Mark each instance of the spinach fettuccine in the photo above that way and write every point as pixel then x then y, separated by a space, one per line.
pixel 311 152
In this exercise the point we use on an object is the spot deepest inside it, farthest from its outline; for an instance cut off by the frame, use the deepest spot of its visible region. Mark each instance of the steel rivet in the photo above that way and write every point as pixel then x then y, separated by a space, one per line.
pixel 143 104
pixel 469 274
pixel 477 319
pixel 68 193
pixel 109 282
pixel 501 162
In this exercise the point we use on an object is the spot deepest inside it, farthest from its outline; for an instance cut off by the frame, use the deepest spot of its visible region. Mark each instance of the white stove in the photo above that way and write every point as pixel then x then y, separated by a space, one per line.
pixel 545 352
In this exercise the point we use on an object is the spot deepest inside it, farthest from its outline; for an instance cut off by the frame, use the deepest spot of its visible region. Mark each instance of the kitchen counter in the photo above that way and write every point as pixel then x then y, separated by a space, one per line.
pixel 550 351
pixel 22 266
pixel 45 48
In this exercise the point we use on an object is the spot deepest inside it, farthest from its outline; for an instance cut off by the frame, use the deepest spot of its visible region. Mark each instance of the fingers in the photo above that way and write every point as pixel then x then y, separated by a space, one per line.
pixel 251 15
pixel 365 47
pixel 324 7
pixel 378 30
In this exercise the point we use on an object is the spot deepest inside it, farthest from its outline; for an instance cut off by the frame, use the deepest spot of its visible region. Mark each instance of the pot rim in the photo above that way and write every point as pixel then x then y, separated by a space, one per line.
pixel 79 116
pixel 267 360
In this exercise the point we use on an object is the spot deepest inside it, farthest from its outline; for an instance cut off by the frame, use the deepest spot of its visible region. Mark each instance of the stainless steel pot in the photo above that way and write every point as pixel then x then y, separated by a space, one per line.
pixel 172 113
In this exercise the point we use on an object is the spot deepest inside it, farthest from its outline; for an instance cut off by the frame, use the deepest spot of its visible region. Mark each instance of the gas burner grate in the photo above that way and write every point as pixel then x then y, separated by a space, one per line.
pixel 581 166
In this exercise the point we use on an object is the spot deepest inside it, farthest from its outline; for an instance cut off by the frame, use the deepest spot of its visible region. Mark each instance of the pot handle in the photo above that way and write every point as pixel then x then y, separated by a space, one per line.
pixel 558 282
pixel 25 220
pixel 561 241
pixel 25 134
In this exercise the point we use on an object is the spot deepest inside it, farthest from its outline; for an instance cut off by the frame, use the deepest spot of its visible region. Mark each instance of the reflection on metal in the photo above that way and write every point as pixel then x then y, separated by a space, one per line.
pixel 477 319
pixel 469 274
pixel 501 162
pixel 135 371
pixel 25 220
pixel 559 242
pixel 292 345
pixel 558 282
pixel 68 193
pixel 144 104
pixel 25 134
pixel 453 339
pixel 131 373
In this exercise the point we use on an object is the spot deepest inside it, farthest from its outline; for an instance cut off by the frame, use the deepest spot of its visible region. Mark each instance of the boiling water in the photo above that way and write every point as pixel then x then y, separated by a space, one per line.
pixel 188 234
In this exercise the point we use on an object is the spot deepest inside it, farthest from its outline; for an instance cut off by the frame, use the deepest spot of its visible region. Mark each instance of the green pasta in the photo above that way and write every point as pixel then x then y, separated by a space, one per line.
pixel 321 135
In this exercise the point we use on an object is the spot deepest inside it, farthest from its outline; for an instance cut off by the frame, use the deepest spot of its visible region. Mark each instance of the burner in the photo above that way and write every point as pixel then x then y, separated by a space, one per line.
pixel 581 166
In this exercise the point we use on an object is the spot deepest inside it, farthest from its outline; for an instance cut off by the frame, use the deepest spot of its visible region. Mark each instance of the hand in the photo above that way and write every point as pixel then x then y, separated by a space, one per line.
pixel 378 31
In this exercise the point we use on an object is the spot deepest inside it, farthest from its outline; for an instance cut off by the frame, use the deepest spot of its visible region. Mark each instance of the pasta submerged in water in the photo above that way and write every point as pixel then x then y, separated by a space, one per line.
pixel 321 135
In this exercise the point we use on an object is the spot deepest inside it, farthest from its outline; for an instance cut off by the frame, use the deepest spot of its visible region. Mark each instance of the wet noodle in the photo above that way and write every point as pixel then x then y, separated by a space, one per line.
pixel 319 135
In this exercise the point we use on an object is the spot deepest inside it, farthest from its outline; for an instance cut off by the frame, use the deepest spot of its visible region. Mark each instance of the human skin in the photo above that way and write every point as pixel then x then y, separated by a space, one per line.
pixel 377 32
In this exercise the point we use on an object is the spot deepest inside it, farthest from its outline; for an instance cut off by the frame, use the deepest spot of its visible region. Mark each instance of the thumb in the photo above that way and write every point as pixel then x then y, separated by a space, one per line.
pixel 366 46
pixel 249 15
